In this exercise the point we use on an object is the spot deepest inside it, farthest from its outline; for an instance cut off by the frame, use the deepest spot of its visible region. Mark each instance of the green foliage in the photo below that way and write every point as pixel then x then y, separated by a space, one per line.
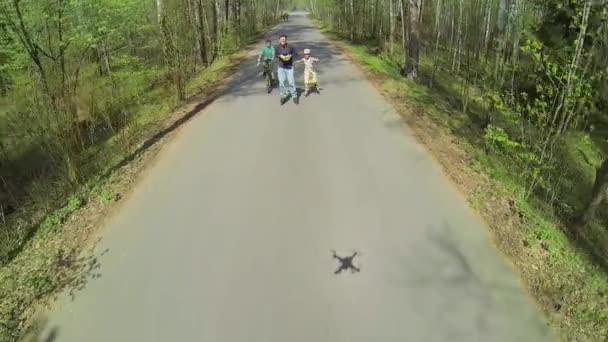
pixel 81 84
pixel 56 219
pixel 42 284
pixel 537 88
pixel 105 195
pixel 76 74
pixel 498 138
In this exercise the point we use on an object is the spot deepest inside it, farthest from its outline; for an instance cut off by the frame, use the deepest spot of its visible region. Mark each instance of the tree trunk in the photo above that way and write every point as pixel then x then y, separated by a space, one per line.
pixel 598 193
pixel 159 11
pixel 403 38
pixel 207 36
pixel 502 23
pixel 132 47
pixel 173 60
pixel 458 49
pixel 567 112
pixel 391 38
pixel 373 13
pixel 413 41
pixel 352 20
pixel 452 26
pixel 216 29
pixel 61 50
pixel 238 19
pixel 106 58
pixel 486 39
pixel 202 34
pixel 437 39
pixel 226 14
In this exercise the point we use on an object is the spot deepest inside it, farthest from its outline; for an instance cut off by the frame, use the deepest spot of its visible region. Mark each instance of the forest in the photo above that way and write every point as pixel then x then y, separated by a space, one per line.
pixel 523 84
pixel 82 85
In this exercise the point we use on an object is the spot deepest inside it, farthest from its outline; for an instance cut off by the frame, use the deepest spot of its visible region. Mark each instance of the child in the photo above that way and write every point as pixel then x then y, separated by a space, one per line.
pixel 267 56
pixel 310 74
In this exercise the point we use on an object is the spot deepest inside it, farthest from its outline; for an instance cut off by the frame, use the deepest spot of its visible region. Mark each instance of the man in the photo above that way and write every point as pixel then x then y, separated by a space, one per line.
pixel 286 55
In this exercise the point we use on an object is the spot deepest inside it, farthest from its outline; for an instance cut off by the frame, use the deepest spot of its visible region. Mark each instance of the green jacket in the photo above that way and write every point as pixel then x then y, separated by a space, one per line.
pixel 267 54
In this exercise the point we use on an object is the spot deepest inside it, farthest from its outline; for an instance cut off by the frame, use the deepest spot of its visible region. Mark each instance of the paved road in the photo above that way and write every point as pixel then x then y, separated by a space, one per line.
pixel 229 236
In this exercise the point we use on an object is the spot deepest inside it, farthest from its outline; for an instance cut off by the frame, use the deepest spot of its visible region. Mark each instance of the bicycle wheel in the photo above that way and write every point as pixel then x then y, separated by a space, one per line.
pixel 268 72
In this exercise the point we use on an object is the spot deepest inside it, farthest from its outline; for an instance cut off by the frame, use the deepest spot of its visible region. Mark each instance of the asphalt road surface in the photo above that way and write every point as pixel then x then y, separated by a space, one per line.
pixel 230 235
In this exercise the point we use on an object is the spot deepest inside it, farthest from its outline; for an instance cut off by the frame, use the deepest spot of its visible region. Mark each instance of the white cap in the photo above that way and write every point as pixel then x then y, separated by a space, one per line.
pixel 306 51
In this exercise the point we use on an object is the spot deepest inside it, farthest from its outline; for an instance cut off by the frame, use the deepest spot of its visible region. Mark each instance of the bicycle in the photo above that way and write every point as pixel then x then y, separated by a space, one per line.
pixel 268 76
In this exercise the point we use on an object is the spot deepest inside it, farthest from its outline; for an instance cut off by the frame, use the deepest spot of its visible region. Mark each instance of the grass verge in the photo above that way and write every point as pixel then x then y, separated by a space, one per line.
pixel 59 255
pixel 567 276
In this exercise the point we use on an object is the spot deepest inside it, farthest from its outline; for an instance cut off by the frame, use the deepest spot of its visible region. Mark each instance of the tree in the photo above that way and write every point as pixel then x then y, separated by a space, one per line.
pixel 413 43
pixel 76 74
pixel 598 195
